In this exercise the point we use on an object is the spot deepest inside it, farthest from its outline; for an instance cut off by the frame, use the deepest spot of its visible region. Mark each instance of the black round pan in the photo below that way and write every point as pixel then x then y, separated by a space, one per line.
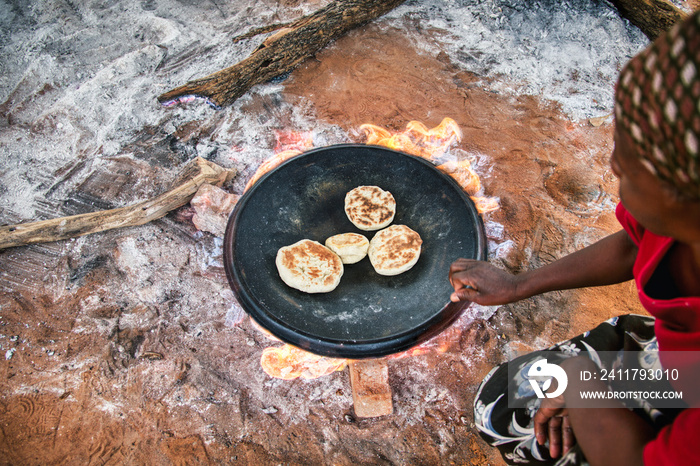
pixel 367 315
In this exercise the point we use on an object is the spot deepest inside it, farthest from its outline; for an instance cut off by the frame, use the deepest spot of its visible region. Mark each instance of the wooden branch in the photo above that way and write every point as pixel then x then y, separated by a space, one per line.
pixel 196 173
pixel 281 52
pixel 652 17
pixel 260 30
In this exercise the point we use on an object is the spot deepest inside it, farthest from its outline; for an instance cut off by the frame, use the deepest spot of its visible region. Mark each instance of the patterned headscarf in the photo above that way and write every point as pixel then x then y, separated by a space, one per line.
pixel 657 102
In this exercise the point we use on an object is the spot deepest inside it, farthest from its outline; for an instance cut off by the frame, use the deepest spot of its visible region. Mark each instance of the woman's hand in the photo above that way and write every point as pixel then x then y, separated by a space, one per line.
pixel 552 423
pixel 482 283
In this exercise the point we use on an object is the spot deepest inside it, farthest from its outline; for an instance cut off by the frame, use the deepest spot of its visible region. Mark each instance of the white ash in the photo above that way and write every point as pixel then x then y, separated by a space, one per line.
pixel 235 314
pixel 479 312
pixel 72 92
pixel 494 230
pixel 212 206
pixel 568 51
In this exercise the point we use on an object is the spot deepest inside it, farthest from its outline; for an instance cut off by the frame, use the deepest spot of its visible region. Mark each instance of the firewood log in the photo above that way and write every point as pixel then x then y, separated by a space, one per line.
pixel 281 52
pixel 652 17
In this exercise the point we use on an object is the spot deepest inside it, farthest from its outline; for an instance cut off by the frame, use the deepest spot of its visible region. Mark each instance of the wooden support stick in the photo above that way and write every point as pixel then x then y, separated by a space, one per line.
pixel 282 51
pixel 198 172
pixel 371 392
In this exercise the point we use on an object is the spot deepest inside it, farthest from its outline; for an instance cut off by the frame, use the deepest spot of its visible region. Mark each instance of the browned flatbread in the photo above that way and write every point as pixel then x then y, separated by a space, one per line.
pixel 370 208
pixel 394 250
pixel 309 266
pixel 351 247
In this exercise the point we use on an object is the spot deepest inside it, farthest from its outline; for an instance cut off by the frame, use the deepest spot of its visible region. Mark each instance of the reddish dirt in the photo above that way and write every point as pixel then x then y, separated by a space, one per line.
pixel 103 376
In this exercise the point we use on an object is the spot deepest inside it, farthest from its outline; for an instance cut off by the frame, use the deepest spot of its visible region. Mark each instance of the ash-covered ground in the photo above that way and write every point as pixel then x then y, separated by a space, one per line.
pixel 129 347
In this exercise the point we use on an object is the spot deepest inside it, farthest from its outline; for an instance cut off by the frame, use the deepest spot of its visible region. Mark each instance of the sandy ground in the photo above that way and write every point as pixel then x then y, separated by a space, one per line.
pixel 128 347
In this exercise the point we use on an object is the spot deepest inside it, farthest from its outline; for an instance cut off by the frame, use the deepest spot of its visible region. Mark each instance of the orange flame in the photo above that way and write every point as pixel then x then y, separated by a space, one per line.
pixel 463 174
pixel 417 139
pixel 288 362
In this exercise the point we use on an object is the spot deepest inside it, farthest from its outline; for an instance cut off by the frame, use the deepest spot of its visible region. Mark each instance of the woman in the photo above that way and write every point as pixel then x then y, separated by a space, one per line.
pixel 656 158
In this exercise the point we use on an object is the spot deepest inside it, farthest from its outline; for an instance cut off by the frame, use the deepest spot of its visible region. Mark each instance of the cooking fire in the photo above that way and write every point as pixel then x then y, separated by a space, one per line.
pixel 288 362
pixel 123 340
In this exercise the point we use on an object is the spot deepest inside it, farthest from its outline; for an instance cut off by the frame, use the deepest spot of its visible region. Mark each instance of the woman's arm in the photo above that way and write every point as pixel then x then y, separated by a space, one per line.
pixel 606 262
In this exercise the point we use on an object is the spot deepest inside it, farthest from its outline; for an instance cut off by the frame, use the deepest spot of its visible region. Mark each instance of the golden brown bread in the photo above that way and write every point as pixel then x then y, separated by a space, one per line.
pixel 309 266
pixel 394 250
pixel 351 247
pixel 370 208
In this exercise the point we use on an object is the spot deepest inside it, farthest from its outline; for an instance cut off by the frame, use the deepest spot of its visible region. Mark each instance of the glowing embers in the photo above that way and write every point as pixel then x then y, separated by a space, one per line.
pixel 289 144
pixel 288 362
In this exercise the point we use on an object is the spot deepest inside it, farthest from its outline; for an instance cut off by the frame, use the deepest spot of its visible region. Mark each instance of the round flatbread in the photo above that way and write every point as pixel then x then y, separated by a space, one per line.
pixel 394 250
pixel 370 208
pixel 309 266
pixel 351 247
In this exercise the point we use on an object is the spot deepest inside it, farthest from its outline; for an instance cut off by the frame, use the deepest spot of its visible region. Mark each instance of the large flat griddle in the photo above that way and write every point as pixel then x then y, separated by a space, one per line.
pixel 367 315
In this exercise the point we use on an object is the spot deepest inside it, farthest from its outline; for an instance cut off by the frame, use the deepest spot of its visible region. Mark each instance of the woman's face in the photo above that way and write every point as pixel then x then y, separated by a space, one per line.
pixel 651 202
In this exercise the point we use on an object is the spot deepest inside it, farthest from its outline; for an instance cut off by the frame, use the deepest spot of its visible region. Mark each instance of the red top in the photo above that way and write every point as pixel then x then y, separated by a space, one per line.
pixel 677 328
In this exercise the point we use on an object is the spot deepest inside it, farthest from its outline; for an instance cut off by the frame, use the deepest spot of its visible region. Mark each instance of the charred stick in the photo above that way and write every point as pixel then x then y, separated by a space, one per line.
pixel 281 52
pixel 198 172
pixel 260 30
pixel 652 17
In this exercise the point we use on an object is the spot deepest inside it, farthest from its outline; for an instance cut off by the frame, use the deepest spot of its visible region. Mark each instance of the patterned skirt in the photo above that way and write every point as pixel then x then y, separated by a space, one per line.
pixel 511 429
